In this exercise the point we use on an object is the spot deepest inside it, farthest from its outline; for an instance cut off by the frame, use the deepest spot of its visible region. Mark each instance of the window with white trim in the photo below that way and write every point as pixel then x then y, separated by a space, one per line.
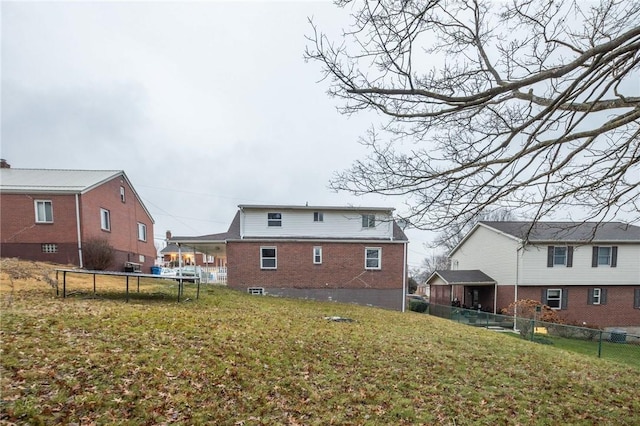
pixel 268 258
pixel 554 298
pixel 49 248
pixel 604 256
pixel 274 219
pixel 142 232
pixel 595 298
pixel 368 220
pixel 559 256
pixel 318 217
pixel 122 194
pixel 317 255
pixel 372 258
pixel 105 220
pixel 44 211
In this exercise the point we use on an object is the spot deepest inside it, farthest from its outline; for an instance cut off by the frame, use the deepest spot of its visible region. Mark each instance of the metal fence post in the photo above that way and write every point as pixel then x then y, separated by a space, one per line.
pixel 600 345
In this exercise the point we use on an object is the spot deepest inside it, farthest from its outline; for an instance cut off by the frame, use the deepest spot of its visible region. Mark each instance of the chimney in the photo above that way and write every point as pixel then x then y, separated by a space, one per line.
pixel 4 164
pixel 168 234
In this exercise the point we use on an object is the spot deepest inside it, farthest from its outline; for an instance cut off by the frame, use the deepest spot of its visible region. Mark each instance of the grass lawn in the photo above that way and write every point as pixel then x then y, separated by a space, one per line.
pixel 234 359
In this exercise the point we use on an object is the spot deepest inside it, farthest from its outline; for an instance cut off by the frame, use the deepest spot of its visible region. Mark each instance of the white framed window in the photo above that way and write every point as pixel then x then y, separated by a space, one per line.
pixel 142 232
pixel 318 216
pixel 559 256
pixel 268 258
pixel 604 256
pixel 596 298
pixel 141 258
pixel 274 219
pixel 105 220
pixel 368 220
pixel 554 298
pixel 44 211
pixel 49 248
pixel 122 194
pixel 317 255
pixel 372 258
pixel 256 290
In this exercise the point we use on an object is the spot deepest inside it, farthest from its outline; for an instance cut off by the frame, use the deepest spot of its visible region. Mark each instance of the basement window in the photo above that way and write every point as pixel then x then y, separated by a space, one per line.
pixel 49 248
pixel 256 290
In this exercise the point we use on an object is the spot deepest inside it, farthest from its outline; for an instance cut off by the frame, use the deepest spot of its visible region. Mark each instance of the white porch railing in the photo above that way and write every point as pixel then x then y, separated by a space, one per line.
pixel 213 274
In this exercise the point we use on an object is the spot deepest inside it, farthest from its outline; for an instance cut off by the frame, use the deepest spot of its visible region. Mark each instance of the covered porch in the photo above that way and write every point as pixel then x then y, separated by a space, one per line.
pixel 468 289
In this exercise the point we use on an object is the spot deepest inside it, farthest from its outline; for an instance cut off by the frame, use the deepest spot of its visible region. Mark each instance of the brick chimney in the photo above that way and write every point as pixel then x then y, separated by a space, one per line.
pixel 168 234
pixel 4 164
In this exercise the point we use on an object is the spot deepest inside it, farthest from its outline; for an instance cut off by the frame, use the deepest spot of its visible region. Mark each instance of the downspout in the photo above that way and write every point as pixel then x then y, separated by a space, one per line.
pixel 404 277
pixel 78 230
pixel 515 293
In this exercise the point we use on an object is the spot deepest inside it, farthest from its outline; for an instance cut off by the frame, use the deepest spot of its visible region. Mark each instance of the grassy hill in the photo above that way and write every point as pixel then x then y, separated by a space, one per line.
pixel 233 359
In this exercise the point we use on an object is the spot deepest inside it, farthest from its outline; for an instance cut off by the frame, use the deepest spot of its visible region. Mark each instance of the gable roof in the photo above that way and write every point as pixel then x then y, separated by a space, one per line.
pixel 53 181
pixel 568 231
pixel 462 277
pixel 59 181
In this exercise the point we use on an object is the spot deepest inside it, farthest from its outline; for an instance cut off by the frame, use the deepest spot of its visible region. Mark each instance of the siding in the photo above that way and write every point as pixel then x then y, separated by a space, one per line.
pixel 491 252
pixel 299 223
pixel 536 272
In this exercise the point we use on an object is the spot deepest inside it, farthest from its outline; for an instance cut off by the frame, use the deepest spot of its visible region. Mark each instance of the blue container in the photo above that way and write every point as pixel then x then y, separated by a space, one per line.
pixel 155 270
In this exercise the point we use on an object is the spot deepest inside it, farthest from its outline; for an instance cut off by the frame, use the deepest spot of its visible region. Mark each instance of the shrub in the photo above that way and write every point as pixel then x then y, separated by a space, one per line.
pixel 98 254
pixel 418 306
pixel 526 311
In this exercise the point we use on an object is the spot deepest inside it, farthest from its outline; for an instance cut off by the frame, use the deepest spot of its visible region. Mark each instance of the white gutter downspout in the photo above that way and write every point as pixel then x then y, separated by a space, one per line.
pixel 515 293
pixel 404 277
pixel 78 230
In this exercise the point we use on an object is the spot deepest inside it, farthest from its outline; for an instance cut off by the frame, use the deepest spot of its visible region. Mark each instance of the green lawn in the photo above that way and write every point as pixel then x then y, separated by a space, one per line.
pixel 234 359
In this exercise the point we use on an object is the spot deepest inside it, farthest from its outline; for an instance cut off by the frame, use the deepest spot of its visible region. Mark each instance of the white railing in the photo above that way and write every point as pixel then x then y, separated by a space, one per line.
pixel 213 275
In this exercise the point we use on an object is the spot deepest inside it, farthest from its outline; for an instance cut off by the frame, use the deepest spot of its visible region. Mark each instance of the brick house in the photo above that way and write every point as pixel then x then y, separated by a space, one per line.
pixel 589 272
pixel 345 254
pixel 49 215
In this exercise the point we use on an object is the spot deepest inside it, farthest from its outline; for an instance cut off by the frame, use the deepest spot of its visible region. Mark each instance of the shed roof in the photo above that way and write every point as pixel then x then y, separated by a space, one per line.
pixel 463 277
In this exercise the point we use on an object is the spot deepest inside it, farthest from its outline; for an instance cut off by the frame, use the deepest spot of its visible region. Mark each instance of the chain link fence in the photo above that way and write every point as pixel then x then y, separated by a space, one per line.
pixel 614 344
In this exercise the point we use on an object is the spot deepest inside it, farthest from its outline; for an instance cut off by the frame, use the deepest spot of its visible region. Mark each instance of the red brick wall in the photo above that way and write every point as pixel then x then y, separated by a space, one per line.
pixel 124 222
pixel 342 266
pixel 22 237
pixel 617 312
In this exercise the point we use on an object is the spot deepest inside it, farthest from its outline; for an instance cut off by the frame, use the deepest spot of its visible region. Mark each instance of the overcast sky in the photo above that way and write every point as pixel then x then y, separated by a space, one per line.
pixel 204 105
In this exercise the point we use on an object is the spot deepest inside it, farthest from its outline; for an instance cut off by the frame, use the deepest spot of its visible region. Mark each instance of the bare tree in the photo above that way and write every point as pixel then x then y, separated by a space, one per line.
pixel 534 104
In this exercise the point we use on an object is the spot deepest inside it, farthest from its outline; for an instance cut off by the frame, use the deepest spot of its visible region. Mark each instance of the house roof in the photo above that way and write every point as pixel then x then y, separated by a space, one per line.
pixel 463 277
pixel 53 181
pixel 568 231
pixel 316 208
pixel 57 181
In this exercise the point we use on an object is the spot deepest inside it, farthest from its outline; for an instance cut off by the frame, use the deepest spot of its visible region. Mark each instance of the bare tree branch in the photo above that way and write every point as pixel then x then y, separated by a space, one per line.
pixel 532 105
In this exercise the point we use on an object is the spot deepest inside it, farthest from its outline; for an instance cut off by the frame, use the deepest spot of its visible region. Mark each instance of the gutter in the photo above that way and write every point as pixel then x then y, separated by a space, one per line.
pixel 78 230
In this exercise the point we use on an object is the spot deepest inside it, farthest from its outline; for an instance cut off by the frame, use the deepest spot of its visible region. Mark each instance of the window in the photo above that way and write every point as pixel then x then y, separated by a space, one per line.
pixel 142 232
pixel 318 217
pixel 368 220
pixel 274 219
pixel 317 255
pixel 122 194
pixel 560 256
pixel 49 248
pixel 636 298
pixel 105 220
pixel 268 258
pixel 255 290
pixel 44 211
pixel 372 258
pixel 554 298
pixel 141 258
pixel 597 296
pixel 604 256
